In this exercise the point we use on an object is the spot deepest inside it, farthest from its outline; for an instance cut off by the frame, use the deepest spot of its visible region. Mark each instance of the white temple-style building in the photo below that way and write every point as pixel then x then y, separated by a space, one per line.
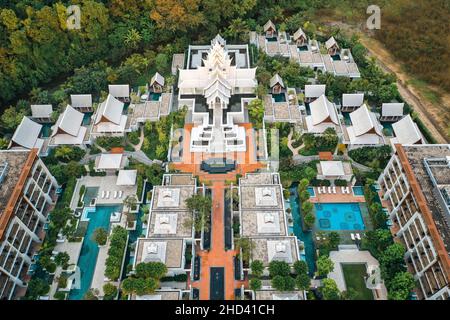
pixel 216 87
pixel 365 129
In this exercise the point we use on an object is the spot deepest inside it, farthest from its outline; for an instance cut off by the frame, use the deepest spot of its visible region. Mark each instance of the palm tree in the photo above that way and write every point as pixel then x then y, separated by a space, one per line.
pixel 132 38
pixel 237 29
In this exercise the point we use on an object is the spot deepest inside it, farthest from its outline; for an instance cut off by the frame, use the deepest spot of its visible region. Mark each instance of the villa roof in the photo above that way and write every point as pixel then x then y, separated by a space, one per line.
pixel 363 121
pixel 108 161
pixel 158 78
pixel 69 121
pixel 81 100
pixel 27 133
pixel 332 168
pixel 41 110
pixel 297 34
pixel 126 178
pixel 392 109
pixel 330 43
pixel 314 90
pixel 321 110
pixel 406 131
pixel 276 79
pixel 352 99
pixel 119 90
pixel 111 109
pixel 269 24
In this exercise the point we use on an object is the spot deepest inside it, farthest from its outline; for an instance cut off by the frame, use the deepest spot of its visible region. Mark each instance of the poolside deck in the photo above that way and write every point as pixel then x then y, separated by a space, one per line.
pixel 337 197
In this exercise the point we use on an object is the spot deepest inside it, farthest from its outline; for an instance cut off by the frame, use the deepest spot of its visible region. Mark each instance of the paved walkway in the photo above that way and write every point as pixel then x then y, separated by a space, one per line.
pixel 217 256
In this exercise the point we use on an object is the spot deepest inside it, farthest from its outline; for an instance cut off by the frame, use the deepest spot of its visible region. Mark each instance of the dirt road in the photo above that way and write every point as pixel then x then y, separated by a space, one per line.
pixel 432 115
pixel 435 116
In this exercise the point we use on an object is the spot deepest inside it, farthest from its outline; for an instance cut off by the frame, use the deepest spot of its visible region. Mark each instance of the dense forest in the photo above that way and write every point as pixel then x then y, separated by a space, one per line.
pixel 37 50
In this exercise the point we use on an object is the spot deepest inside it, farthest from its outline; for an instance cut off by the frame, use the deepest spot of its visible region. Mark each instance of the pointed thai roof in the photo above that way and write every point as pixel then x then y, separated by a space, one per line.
pixel 69 122
pixel 363 121
pixel 218 39
pixel 406 131
pixel 27 133
pixel 158 78
pixel 269 24
pixel 81 100
pixel 119 90
pixel 321 110
pixel 276 79
pixel 218 88
pixel 330 43
pixel 297 34
pixel 352 99
pixel 111 109
pixel 41 110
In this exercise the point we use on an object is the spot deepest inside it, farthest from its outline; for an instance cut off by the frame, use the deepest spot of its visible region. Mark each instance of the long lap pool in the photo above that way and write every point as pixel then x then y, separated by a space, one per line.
pixel 99 217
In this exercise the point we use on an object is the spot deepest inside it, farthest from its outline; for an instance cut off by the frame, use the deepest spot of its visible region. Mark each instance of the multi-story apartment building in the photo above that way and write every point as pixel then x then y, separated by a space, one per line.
pixel 27 195
pixel 415 188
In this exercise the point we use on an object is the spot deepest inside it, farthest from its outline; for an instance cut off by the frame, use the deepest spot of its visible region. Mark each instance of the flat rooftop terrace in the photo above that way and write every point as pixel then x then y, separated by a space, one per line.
pixel 15 162
pixel 416 157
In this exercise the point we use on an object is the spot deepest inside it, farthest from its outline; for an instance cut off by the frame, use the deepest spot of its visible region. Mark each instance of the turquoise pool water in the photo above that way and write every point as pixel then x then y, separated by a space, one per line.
pixel 87 118
pixel 311 192
pixel 338 216
pixel 46 130
pixel 358 191
pixel 306 237
pixel 89 250
pixel 387 126
pixel 279 97
pixel 154 96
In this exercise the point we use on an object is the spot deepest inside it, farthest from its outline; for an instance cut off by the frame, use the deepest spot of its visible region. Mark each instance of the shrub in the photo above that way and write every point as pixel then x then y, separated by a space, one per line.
pixel 279 268
pixel 118 242
pixel 257 268
pixel 133 137
pixel 100 236
pixel 110 291
pixel 255 284
pixel 59 295
pixel 341 183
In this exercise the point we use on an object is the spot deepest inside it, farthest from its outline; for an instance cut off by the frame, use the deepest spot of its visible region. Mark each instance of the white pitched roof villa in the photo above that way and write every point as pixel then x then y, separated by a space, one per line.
pixel 323 115
pixel 27 135
pixel 352 101
pixel 391 111
pixel 313 91
pixel 119 91
pixel 406 132
pixel 109 118
pixel 110 161
pixel 331 170
pixel 365 128
pixel 68 130
pixel 81 102
pixel 41 112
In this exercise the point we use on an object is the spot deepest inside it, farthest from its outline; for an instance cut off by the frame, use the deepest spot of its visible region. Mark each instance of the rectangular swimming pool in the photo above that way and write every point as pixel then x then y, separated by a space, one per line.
pixel 338 216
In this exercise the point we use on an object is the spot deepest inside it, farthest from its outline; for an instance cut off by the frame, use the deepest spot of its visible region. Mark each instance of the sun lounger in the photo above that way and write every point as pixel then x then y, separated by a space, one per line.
pixel 334 189
pixel 358 236
pixel 120 194
pixel 352 236
pixel 103 194
pixel 107 194
pixel 348 190
pixel 319 190
pixel 329 189
pixel 342 190
pixel 115 194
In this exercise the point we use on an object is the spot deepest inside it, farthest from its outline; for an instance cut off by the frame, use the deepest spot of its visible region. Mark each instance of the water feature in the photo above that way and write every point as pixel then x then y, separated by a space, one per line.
pixel 307 236
pixel 98 218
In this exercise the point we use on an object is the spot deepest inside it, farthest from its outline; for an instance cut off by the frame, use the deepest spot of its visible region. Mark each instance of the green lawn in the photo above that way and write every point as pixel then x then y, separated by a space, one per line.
pixel 354 278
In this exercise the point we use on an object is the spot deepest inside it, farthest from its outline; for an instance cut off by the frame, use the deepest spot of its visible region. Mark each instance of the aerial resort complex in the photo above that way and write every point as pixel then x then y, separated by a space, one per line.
pixel 269 160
